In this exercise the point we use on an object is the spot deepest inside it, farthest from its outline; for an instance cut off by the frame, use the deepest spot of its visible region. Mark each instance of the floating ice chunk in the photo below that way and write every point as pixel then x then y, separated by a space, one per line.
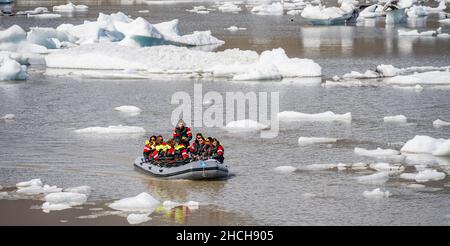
pixel 199 10
pixel 128 109
pixel 303 141
pixel 395 119
pixel 245 125
pixel 112 130
pixel 36 11
pixel 51 189
pixel 376 193
pixel 325 117
pixel 416 11
pixel 70 7
pixel 268 9
pixel 376 178
pixel 369 74
pixel 33 182
pixel 235 28
pixel 84 189
pixel 445 22
pixel 8 117
pixel 13 34
pixel 428 175
pixel 229 7
pixel 408 176
pixel 428 145
pixel 440 123
pixel 138 218
pixel 68 198
pixel 143 202
pixel 31 190
pixel 317 167
pixel 416 186
pixel 373 11
pixel 285 169
pixel 49 37
pixel 376 153
pixel 46 16
pixel 261 72
pixel 386 167
pixel 433 77
pixel 387 70
pixel 47 207
pixel 359 166
pixel 12 70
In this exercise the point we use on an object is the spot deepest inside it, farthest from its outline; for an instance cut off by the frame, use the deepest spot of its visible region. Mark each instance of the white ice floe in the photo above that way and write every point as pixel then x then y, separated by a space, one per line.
pixel 433 77
pixel 285 169
pixel 427 145
pixel 318 167
pixel 47 207
pixel 386 167
pixel 8 117
pixel 358 166
pixel 245 125
pixel 10 69
pixel 33 182
pixel 84 189
pixel 408 176
pixel 199 10
pixel 387 70
pixel 416 11
pixel 373 11
pixel 36 189
pixel 180 61
pixel 70 7
pixel 395 119
pixel 440 123
pixel 324 117
pixel 235 28
pixel 229 7
pixel 128 109
pixel 36 11
pixel 112 130
pixel 46 16
pixel 134 219
pixel 376 178
pixel 68 198
pixel 143 202
pixel 303 141
pixel 369 74
pixel 416 186
pixel 376 193
pixel 429 175
pixel 275 8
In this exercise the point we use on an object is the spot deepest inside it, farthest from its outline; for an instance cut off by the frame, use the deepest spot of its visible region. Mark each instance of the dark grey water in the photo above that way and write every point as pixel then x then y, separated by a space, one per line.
pixel 40 142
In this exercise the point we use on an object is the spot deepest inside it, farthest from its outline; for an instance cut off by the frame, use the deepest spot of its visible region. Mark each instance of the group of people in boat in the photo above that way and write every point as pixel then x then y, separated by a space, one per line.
pixel 178 149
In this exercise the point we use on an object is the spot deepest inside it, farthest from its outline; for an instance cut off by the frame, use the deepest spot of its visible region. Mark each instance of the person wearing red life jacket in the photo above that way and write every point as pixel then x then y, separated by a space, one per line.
pixel 182 133
pixel 217 150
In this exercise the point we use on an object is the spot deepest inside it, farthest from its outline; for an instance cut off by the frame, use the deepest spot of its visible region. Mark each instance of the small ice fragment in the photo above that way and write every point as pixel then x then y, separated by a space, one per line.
pixel 285 169
pixel 143 202
pixel 137 218
pixel 376 194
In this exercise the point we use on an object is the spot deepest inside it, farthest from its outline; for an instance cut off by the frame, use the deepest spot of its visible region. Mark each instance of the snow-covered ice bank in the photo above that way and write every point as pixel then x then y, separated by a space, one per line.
pixel 143 202
pixel 427 145
pixel 304 141
pixel 440 123
pixel 70 7
pixel 246 125
pixel 180 61
pixel 376 193
pixel 235 28
pixel 128 109
pixel 285 169
pixel 112 130
pixel 324 117
pixel 395 119
pixel 275 8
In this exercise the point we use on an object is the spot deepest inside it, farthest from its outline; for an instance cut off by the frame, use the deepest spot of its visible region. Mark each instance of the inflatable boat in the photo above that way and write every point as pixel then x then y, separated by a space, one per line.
pixel 195 170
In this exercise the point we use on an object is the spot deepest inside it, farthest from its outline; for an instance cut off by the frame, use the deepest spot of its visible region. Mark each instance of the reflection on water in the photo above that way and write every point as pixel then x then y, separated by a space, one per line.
pixel 417 22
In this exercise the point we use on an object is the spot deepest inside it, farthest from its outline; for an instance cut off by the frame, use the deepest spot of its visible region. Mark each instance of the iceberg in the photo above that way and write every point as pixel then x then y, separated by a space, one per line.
pixel 285 169
pixel 268 9
pixel 246 125
pixel 183 62
pixel 304 141
pixel 13 34
pixel 427 145
pixel 112 130
pixel 440 123
pixel 143 202
pixel 12 70
pixel 70 7
pixel 323 117
pixel 395 119
pixel 376 194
